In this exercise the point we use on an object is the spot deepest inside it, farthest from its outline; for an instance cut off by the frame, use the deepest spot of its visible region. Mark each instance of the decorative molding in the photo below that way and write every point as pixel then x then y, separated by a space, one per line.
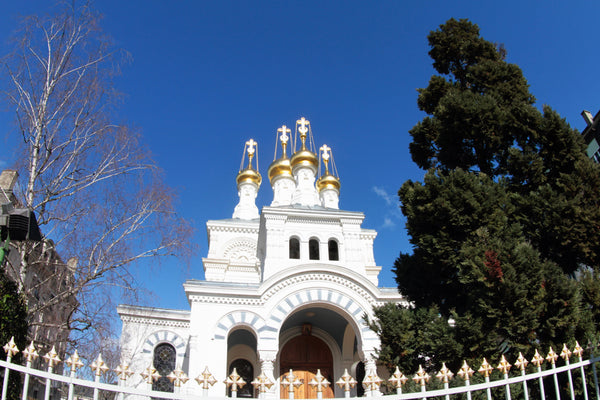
pixel 237 318
pixel 156 322
pixel 164 336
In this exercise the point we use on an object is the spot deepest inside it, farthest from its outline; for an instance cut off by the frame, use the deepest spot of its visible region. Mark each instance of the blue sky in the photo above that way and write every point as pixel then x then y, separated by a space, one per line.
pixel 207 75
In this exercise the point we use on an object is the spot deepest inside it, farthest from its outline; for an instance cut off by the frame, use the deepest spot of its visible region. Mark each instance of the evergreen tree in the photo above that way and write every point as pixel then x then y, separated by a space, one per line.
pixel 504 226
pixel 13 323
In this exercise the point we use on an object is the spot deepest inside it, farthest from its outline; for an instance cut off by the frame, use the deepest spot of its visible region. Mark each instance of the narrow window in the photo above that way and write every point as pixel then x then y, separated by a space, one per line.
pixel 313 249
pixel 164 363
pixel 294 248
pixel 333 250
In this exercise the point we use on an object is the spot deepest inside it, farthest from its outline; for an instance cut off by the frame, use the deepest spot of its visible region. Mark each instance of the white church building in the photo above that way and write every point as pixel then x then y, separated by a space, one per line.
pixel 288 287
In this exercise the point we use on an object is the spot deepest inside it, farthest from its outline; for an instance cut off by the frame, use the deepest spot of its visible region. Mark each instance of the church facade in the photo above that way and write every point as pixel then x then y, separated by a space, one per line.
pixel 288 287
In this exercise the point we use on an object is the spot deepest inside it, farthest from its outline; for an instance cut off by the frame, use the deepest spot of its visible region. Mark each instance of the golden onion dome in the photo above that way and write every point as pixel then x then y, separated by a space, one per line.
pixel 280 168
pixel 249 175
pixel 328 181
pixel 305 158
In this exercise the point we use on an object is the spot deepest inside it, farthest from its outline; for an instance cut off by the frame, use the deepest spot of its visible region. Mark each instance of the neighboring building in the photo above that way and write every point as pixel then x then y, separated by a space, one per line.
pixel 286 288
pixel 591 135
pixel 44 277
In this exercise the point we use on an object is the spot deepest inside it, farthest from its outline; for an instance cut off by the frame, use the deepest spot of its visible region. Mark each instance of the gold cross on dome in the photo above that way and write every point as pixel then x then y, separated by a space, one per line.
pixel 325 149
pixel 303 122
pixel 284 131
pixel 251 143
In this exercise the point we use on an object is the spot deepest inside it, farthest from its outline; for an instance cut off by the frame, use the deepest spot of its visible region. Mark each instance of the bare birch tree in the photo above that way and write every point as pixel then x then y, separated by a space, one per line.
pixel 100 199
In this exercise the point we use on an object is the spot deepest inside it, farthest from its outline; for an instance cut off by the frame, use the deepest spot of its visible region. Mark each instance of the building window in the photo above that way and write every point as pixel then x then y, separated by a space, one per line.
pixel 294 248
pixel 164 363
pixel 244 369
pixel 313 249
pixel 334 254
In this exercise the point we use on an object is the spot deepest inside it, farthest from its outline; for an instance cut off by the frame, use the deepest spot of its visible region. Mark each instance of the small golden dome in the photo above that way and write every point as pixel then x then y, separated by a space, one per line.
pixel 305 158
pixel 328 181
pixel 279 168
pixel 249 175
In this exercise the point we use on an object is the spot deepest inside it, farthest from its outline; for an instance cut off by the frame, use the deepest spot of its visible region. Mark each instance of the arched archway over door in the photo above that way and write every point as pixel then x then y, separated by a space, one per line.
pixel 305 354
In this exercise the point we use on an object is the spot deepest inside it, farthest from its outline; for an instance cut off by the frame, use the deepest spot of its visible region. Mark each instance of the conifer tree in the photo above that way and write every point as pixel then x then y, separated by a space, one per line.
pixel 504 226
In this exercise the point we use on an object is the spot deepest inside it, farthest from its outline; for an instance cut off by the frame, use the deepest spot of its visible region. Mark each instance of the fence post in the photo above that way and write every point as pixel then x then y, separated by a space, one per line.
pixel 485 370
pixel 30 355
pixel 578 351
pixel 566 355
pixel 445 375
pixel 11 349
pixel 538 360
pixel 123 372
pixel 73 362
pixel 504 367
pixel 52 359
pixel 466 373
pixel 422 377
pixel 522 364
pixel 291 381
pixel 99 368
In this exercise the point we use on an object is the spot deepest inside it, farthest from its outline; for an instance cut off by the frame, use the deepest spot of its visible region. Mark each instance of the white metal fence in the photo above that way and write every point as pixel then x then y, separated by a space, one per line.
pixel 556 376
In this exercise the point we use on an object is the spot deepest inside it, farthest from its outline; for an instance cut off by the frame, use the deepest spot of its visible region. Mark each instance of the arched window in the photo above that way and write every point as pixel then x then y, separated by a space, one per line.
pixel 244 369
pixel 334 255
pixel 313 249
pixel 164 363
pixel 294 248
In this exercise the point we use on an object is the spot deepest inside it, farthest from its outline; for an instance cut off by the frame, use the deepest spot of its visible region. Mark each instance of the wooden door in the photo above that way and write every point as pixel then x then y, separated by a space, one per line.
pixel 305 355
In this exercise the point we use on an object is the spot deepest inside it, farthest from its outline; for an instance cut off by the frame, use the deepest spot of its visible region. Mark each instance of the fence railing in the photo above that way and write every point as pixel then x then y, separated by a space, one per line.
pixel 537 378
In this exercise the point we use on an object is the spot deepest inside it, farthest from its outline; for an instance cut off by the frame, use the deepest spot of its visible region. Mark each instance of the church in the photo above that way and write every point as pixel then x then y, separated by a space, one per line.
pixel 286 288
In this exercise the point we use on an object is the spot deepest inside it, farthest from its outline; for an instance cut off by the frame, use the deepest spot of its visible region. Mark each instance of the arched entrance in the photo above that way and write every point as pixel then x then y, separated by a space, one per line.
pixel 305 354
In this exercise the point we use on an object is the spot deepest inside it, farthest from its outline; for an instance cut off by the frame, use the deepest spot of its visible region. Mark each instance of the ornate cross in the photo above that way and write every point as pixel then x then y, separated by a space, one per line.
pixel 234 381
pixel 485 368
pixel 319 382
pixel 30 352
pixel 504 366
pixel 178 377
pixel 206 378
pixel 421 377
pixel 444 374
pixel 398 379
pixel 346 381
pixel 521 362
pixel 565 353
pixel 284 131
pixel 52 358
pixel 11 348
pixel 465 371
pixel 123 371
pixel 552 356
pixel 150 375
pixel 262 383
pixel 98 366
pixel 537 359
pixel 303 122
pixel 290 380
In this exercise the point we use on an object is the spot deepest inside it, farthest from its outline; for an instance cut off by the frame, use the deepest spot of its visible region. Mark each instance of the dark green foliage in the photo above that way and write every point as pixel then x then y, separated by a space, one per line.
pixel 505 224
pixel 13 322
